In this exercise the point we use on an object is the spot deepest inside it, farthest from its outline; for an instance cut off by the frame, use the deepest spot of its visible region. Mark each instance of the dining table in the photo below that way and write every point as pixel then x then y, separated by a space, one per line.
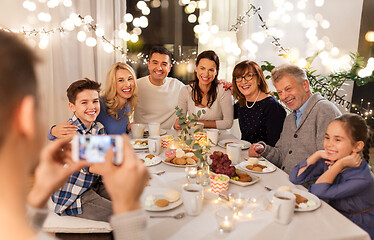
pixel 322 223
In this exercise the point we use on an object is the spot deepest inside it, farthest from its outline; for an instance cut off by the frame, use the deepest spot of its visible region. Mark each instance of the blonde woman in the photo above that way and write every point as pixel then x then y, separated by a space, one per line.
pixel 119 98
pixel 117 102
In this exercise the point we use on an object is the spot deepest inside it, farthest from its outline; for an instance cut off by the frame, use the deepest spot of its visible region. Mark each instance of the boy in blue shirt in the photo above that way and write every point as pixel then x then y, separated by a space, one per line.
pixel 84 194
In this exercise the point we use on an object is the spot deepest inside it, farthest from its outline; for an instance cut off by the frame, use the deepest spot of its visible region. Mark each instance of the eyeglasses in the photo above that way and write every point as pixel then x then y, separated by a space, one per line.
pixel 247 77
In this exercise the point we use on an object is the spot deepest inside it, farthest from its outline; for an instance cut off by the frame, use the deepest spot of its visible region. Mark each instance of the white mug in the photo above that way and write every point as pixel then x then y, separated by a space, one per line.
pixel 137 130
pixel 193 196
pixel 154 145
pixel 154 129
pixel 283 206
pixel 234 151
pixel 198 127
pixel 212 136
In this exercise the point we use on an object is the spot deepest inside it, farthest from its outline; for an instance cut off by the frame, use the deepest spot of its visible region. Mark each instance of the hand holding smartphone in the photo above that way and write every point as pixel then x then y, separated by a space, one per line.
pixel 93 148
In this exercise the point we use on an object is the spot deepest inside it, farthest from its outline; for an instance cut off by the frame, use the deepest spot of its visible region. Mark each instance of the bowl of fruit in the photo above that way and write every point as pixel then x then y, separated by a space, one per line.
pixel 221 164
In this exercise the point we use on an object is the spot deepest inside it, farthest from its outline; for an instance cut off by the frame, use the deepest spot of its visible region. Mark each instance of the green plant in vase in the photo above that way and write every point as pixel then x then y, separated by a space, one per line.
pixel 187 139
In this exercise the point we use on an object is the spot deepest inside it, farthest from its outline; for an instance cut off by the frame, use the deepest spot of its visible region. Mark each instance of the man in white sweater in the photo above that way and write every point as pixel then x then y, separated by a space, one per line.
pixel 158 94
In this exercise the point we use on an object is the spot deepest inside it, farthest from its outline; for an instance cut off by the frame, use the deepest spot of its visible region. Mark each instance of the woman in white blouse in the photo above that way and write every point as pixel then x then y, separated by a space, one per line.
pixel 205 92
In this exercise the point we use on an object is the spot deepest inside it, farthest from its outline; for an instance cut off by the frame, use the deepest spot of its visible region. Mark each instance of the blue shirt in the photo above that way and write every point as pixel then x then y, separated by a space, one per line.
pixel 352 190
pixel 113 126
pixel 299 112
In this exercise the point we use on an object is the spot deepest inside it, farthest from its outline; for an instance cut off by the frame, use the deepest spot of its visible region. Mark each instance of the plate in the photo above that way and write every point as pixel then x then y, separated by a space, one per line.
pixel 136 146
pixel 154 161
pixel 159 193
pixel 308 195
pixel 162 132
pixel 176 165
pixel 244 184
pixel 245 144
pixel 262 161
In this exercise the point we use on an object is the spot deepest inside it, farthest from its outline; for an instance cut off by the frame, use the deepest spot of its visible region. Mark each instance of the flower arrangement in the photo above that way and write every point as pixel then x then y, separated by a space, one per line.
pixel 187 136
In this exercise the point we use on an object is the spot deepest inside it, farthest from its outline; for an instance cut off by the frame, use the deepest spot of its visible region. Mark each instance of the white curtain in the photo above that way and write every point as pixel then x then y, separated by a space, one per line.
pixel 66 60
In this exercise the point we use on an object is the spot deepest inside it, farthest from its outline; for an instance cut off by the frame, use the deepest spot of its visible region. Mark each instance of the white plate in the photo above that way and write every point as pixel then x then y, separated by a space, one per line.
pixel 162 132
pixel 262 161
pixel 244 184
pixel 154 161
pixel 308 195
pixel 159 193
pixel 176 165
pixel 136 146
pixel 245 144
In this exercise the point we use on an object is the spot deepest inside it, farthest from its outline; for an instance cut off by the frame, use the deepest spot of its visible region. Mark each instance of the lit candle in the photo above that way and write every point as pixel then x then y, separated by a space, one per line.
pixel 193 172
pixel 173 145
pixel 226 226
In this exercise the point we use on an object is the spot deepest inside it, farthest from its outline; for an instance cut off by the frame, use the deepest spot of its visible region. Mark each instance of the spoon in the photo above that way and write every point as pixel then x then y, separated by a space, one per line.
pixel 159 172
pixel 177 216
pixel 269 189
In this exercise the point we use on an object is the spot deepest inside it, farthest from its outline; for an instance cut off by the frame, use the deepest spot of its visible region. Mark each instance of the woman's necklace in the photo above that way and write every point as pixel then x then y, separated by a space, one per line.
pixel 254 101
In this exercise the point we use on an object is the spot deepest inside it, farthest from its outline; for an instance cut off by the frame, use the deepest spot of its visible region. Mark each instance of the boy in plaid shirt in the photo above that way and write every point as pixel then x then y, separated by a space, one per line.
pixel 84 194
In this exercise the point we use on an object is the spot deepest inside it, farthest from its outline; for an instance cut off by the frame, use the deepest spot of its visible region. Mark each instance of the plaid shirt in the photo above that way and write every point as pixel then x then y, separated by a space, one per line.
pixel 68 199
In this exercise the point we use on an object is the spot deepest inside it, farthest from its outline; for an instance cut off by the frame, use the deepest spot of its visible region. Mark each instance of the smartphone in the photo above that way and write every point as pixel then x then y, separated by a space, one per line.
pixel 93 148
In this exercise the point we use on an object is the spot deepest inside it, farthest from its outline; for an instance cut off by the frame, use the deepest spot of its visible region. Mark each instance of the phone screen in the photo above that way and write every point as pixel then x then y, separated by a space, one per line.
pixel 93 148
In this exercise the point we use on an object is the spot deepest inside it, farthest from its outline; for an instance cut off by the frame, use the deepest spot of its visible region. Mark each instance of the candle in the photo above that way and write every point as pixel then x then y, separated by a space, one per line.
pixel 226 226
pixel 225 219
pixel 173 145
pixel 191 172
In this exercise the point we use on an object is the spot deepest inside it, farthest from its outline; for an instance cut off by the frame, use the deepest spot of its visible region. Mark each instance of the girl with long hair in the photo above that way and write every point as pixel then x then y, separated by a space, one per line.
pixel 342 176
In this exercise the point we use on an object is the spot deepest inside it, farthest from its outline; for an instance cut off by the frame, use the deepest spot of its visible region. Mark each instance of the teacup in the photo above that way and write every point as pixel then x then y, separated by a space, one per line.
pixel 234 151
pixel 193 196
pixel 154 129
pixel 283 206
pixel 137 130
pixel 212 136
pixel 154 145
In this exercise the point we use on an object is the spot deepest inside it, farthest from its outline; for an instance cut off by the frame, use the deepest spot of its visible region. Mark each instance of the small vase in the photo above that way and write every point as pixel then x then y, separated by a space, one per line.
pixel 203 177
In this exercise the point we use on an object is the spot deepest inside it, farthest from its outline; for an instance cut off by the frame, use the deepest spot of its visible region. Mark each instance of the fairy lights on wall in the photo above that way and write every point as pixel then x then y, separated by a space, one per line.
pixel 89 33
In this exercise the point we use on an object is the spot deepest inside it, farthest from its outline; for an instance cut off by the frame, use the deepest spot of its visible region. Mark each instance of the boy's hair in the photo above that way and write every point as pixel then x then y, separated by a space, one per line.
pixel 160 50
pixel 17 77
pixel 80 85
pixel 358 130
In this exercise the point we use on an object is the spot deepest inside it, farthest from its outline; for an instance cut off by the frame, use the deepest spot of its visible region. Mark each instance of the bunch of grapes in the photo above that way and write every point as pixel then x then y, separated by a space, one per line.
pixel 221 164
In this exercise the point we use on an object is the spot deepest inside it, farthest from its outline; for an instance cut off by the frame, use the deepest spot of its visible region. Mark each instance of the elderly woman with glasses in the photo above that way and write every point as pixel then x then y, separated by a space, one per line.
pixel 260 115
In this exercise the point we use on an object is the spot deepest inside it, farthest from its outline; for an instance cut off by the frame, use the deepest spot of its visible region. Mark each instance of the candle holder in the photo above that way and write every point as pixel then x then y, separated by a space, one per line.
pixel 225 220
pixel 237 200
pixel 191 172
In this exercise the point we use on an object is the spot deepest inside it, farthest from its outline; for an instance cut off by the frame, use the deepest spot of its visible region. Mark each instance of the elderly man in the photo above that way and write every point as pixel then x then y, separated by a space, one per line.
pixel 303 130
pixel 158 94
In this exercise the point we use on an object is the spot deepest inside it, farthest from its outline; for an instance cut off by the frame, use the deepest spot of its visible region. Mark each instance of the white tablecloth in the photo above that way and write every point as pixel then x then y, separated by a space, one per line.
pixel 323 223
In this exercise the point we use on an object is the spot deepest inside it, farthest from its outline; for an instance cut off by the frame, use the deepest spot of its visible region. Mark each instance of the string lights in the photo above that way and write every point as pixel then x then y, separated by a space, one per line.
pixel 204 32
